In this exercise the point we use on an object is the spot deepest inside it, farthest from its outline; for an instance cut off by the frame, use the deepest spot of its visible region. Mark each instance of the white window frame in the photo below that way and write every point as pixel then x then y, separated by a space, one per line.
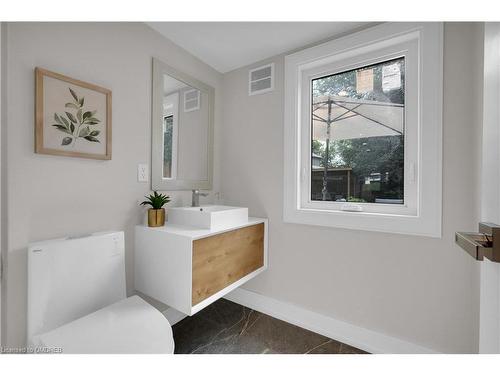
pixel 421 46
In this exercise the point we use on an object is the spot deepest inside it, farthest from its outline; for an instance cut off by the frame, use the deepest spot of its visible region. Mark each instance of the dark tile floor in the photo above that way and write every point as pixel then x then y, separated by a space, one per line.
pixel 225 327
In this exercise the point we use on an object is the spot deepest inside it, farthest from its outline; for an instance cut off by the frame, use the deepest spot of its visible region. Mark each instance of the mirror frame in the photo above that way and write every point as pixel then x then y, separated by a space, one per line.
pixel 157 180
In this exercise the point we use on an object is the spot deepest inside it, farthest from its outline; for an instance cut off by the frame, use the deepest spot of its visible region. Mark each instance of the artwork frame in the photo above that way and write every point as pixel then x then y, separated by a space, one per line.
pixel 72 122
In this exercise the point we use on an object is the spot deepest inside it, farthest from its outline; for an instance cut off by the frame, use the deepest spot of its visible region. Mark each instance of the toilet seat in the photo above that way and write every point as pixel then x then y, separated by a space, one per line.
pixel 128 326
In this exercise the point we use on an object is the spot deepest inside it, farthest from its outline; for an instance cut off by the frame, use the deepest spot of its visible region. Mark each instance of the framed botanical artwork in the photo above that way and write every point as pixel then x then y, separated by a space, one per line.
pixel 72 117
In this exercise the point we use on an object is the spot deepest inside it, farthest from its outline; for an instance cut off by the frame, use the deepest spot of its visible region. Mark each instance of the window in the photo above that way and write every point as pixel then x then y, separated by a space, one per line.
pixel 357 135
pixel 170 135
pixel 363 131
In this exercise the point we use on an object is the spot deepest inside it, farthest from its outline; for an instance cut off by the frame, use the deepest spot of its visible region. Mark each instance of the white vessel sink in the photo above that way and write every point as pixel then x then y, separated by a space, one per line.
pixel 209 217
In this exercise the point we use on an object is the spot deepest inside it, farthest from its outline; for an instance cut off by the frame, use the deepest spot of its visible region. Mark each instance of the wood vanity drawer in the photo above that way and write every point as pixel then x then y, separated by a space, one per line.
pixel 220 260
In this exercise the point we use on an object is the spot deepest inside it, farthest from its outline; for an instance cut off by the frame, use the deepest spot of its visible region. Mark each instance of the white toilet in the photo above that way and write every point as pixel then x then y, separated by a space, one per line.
pixel 77 301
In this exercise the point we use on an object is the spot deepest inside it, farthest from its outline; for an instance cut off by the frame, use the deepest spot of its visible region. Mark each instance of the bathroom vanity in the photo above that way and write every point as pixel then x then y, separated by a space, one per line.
pixel 188 267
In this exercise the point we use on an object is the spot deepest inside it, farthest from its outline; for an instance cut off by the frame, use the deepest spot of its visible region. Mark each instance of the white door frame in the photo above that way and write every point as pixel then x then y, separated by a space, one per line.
pixel 489 323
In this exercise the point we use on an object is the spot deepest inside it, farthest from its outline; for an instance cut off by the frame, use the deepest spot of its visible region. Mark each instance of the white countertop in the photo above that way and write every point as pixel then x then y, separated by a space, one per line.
pixel 196 233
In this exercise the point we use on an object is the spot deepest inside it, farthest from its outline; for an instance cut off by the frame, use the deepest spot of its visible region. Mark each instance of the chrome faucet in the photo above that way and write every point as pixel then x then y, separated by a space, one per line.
pixel 195 198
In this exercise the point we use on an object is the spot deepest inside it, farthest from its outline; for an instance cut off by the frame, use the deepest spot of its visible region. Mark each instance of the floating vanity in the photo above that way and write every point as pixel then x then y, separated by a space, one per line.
pixel 190 266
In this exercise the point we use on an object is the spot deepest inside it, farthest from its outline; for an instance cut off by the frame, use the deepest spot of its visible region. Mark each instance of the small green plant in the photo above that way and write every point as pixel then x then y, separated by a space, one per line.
pixel 156 201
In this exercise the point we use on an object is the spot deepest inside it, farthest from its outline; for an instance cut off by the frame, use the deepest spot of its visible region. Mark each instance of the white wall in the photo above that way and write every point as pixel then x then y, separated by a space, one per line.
pixel 422 290
pixel 52 196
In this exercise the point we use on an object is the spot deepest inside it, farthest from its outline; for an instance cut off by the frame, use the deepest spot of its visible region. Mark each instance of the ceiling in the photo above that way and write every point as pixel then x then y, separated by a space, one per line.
pixel 230 45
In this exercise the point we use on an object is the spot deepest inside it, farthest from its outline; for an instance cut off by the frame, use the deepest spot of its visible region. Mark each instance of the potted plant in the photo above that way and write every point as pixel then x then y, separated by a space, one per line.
pixel 156 214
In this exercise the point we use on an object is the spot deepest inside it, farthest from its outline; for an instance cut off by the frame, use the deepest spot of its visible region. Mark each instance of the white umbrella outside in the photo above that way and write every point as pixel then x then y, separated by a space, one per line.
pixel 351 118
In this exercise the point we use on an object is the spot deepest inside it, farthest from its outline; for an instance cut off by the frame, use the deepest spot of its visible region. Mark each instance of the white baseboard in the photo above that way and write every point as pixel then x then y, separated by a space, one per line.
pixel 362 338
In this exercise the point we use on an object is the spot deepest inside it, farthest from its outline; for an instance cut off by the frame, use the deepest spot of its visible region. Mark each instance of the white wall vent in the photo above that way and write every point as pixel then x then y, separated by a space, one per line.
pixel 261 79
pixel 191 100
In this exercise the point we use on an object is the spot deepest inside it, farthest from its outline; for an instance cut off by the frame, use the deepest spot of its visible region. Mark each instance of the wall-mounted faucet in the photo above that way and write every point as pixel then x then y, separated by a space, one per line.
pixel 195 198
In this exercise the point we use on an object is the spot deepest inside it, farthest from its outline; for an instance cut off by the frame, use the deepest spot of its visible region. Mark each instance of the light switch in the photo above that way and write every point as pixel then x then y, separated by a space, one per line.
pixel 142 173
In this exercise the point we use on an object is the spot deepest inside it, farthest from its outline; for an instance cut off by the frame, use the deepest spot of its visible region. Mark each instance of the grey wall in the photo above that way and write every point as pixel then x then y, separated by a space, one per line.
pixel 51 196
pixel 422 290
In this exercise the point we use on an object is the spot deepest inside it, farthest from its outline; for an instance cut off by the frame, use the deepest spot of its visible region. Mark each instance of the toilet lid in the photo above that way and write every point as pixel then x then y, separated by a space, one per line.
pixel 128 326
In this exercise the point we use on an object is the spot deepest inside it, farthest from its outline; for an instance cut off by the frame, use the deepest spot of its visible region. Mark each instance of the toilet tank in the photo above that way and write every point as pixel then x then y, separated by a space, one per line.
pixel 69 278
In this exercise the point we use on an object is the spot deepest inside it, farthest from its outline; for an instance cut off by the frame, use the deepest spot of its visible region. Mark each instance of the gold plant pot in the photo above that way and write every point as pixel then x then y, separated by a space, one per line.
pixel 156 218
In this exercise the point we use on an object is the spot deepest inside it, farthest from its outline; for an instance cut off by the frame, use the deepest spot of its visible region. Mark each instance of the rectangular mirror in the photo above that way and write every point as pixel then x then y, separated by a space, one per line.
pixel 182 131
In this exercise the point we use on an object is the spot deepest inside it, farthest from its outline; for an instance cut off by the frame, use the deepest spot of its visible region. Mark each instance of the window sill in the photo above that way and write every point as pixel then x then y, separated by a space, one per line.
pixel 418 225
pixel 366 208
